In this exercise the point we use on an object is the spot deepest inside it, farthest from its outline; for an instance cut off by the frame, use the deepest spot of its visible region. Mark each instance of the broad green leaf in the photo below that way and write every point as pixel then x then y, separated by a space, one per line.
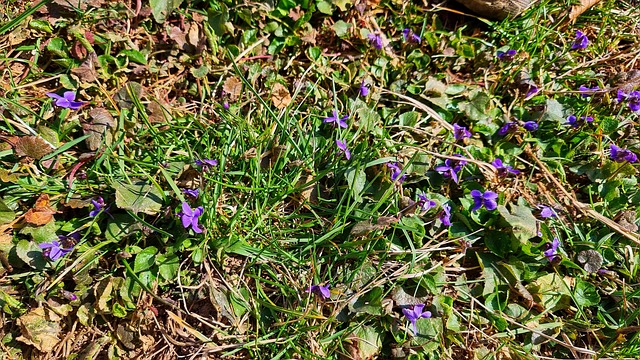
pixel 551 291
pixel 121 226
pixel 168 266
pixel 368 340
pixel 325 7
pixel 200 72
pixel 218 19
pixel 369 303
pixel 553 112
pixel 161 9
pixel 356 179
pixel 586 294
pixel 41 25
pixel 58 47
pixel 145 259
pixel 134 56
pixel 6 214
pixel 138 197
pixel 31 254
pixel 521 221
pixel 341 28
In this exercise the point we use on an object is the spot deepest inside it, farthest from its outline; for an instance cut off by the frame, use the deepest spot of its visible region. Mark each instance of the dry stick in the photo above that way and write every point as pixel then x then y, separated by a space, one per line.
pixel 584 208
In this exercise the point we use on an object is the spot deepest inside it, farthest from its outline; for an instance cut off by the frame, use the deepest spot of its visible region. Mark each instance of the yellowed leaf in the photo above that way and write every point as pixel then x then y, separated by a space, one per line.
pixel 33 147
pixel 39 329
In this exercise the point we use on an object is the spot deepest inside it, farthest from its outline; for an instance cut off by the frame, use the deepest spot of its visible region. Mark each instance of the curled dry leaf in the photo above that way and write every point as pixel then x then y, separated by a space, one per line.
pixel 33 147
pixel 280 96
pixel 41 213
pixel 590 259
pixel 86 72
pixel 233 87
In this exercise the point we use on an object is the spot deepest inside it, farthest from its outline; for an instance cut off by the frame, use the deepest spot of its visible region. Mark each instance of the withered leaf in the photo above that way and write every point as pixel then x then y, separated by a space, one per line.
pixel 86 72
pixel 100 129
pixel 123 98
pixel 156 113
pixel 9 177
pixel 590 259
pixel 33 147
pixel 40 328
pixel 280 96
pixel 189 178
pixel 41 213
pixel 233 87
pixel 295 13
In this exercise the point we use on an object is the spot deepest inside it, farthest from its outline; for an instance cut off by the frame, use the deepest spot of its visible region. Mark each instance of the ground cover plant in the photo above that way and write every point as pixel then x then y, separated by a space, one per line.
pixel 327 179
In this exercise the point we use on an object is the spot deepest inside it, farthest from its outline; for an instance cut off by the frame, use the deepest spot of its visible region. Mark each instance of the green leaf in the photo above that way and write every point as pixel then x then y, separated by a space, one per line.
pixel 145 259
pixel 521 221
pixel 553 112
pixel 58 47
pixel 200 72
pixel 161 9
pixel 168 266
pixel 369 303
pixel 325 7
pixel 138 197
pixel 356 179
pixel 586 294
pixel 118 310
pixel 41 234
pixel 341 28
pixel 134 56
pixel 368 341
pixel 31 254
pixel 41 25
pixel 121 226
pixel 218 19
pixel 551 292
pixel 342 4
pixel 6 214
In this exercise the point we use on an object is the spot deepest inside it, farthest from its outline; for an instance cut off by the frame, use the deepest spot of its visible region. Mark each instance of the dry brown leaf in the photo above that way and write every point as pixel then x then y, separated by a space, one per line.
pixel 86 72
pixel 40 328
pixel 33 147
pixel 41 213
pixel 189 178
pixel 280 96
pixel 100 128
pixel 9 177
pixel 176 34
pixel 233 87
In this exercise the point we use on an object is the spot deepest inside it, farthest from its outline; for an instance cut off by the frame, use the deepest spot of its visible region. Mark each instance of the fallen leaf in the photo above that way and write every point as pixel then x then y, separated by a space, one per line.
pixel 86 72
pixel 176 34
pixel 33 147
pixel 8 177
pixel 233 87
pixel 123 98
pixel 100 129
pixel 189 178
pixel 280 96
pixel 41 213
pixel 40 328
pixel 591 260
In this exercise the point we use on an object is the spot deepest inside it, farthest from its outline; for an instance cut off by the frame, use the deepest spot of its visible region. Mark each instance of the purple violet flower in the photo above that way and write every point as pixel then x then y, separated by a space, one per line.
pixel 585 91
pixel 581 41
pixel 552 252
pixel 375 40
pixel 633 100
pixel 395 172
pixel 341 122
pixel 445 215
pixel 343 149
pixel 531 92
pixel 425 203
pixel 576 122
pixel 460 132
pixel 451 168
pixel 68 295
pixel 621 155
pixel 98 206
pixel 508 128
pixel 506 55
pixel 488 199
pixel 320 290
pixel 190 217
pixel 547 211
pixel 410 36
pixel 504 170
pixel 530 126
pixel 67 101
pixel 364 89
pixel 206 164
pixel 225 105
pixel 191 192
pixel 416 313
pixel 53 250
